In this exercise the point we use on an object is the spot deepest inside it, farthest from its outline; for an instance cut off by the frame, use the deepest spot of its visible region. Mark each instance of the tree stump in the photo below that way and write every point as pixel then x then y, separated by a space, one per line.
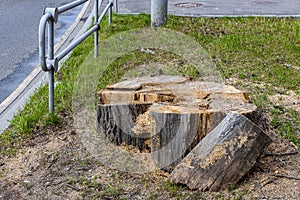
pixel 121 105
pixel 167 115
pixel 222 157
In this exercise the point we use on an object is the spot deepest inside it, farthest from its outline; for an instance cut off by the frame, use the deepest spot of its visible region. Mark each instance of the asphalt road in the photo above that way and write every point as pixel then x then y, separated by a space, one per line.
pixel 20 19
pixel 215 8
pixel 19 38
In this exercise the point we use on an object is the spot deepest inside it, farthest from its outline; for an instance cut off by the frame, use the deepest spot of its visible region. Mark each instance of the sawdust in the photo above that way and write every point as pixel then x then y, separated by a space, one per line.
pixel 289 100
pixel 55 165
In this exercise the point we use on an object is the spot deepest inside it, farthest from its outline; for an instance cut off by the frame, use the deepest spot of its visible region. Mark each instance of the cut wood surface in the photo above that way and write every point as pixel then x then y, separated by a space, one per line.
pixel 138 83
pixel 168 114
pixel 222 157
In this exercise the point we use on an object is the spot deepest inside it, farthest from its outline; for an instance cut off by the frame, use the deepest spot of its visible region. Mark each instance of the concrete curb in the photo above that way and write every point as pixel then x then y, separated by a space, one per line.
pixel 17 99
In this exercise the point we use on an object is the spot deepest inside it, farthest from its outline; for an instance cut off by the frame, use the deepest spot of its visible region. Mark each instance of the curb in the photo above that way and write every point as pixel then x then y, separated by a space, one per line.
pixel 17 99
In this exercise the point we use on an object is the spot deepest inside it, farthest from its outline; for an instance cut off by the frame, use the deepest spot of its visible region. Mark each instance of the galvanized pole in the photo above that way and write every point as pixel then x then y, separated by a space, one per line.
pixel 110 12
pixel 51 70
pixel 96 33
pixel 116 6
pixel 159 12
pixel 51 90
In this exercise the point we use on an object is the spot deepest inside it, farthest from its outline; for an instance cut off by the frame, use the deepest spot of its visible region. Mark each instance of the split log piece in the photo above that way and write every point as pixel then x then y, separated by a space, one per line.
pixel 223 156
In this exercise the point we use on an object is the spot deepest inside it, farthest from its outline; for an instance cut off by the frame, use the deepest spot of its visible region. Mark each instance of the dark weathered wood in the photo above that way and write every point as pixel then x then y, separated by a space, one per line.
pixel 116 123
pixel 122 104
pixel 223 156
pixel 177 130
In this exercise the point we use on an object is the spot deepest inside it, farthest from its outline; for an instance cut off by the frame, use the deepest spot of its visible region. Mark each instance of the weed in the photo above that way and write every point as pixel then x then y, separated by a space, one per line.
pixel 174 189
pixel 111 190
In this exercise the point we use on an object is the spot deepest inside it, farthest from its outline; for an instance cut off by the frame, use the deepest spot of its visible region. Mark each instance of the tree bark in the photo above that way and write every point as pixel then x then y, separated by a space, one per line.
pixel 167 115
pixel 177 130
pixel 222 157
pixel 116 123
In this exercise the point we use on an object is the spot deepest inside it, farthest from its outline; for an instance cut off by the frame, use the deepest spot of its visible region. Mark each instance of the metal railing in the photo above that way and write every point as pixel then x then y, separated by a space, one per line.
pixel 50 63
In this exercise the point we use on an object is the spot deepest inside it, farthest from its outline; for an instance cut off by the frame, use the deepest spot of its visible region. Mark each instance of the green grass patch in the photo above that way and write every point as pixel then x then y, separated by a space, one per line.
pixel 129 66
pixel 260 54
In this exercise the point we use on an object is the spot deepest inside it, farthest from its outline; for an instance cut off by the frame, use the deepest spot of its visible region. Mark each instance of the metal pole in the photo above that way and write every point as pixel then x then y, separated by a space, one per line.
pixel 51 90
pixel 74 44
pixel 71 5
pixel 110 12
pixel 50 57
pixel 116 6
pixel 159 12
pixel 42 49
pixel 96 31
pixel 106 9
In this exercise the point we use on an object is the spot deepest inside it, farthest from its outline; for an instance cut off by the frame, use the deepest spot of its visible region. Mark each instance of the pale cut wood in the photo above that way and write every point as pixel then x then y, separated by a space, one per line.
pixel 138 83
pixel 135 97
pixel 223 156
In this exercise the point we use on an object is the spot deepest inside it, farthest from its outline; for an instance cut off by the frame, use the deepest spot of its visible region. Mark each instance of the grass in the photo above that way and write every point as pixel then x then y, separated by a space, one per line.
pixel 259 55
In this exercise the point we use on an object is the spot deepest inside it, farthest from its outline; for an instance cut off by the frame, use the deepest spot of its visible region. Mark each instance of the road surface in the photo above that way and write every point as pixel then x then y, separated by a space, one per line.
pixel 218 8
pixel 19 38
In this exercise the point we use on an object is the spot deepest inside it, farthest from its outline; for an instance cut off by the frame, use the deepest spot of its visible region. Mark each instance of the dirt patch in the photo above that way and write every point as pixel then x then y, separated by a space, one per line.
pixel 290 100
pixel 56 165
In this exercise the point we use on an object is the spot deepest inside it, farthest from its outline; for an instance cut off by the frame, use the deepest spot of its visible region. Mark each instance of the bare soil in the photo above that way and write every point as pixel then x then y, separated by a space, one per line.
pixel 54 164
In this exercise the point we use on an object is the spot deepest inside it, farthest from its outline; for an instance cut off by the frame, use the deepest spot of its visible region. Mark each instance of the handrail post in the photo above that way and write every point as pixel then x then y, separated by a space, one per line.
pixel 51 90
pixel 96 33
pixel 116 6
pixel 110 12
pixel 42 49
pixel 49 63
pixel 50 67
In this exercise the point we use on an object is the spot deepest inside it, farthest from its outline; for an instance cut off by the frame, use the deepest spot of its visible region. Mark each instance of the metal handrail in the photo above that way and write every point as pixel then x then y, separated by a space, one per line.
pixel 49 63
pixel 71 5
pixel 42 49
